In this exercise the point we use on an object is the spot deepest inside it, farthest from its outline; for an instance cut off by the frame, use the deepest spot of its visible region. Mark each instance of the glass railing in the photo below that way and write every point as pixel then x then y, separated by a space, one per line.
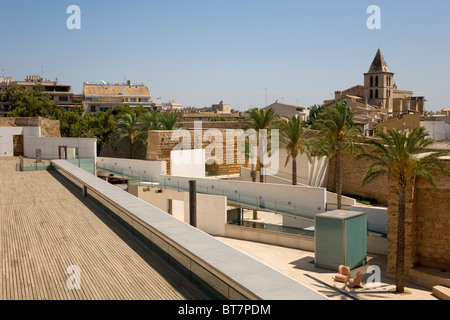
pixel 132 176
pixel 240 199
pixel 274 228
pixel 212 187
pixel 333 206
pixel 87 164
pixel 29 164
pixel 210 281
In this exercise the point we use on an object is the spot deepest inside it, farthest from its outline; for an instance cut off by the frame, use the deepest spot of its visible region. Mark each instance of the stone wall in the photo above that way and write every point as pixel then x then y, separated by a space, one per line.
pixel 122 150
pixel 353 172
pixel 432 222
pixel 160 145
pixel 427 213
pixel 49 128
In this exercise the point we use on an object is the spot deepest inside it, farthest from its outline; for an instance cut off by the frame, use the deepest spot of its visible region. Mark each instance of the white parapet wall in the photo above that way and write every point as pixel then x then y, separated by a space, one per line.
pixel 188 163
pixel 305 201
pixel 211 213
pixel 147 170
pixel 438 130
pixel 7 137
pixel 377 217
pixel 87 147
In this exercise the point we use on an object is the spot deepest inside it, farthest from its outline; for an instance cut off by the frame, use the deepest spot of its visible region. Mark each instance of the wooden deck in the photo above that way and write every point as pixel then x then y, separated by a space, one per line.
pixel 45 228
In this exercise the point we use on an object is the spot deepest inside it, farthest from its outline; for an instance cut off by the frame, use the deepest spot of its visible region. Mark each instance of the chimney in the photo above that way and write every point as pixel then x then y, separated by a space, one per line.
pixel 128 82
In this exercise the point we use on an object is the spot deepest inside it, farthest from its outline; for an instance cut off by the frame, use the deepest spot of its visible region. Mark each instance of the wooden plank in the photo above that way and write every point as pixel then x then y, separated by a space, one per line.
pixel 46 227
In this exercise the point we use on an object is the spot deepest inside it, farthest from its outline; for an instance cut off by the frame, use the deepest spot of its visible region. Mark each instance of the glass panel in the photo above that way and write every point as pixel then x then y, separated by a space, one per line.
pixel 207 281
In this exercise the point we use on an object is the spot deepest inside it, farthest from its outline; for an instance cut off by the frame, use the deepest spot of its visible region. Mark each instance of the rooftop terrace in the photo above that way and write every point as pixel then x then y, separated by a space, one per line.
pixel 46 227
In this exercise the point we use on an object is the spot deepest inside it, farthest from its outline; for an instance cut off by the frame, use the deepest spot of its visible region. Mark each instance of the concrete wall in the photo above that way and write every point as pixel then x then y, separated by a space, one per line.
pixel 375 245
pixel 289 221
pixel 303 168
pixel 87 148
pixel 211 213
pixel 377 217
pixel 331 197
pixel 270 237
pixel 188 163
pixel 307 200
pixel 6 140
pixel 148 170
pixel 438 130
pixel 7 134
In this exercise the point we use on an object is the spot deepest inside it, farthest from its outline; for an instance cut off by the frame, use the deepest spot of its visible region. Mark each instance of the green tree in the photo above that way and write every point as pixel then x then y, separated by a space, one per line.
pixel 293 138
pixel 119 111
pixel 396 155
pixel 72 123
pixel 260 119
pixel 314 112
pixel 129 128
pixel 30 103
pixel 336 135
pixel 167 121
pixel 100 125
pixel 150 121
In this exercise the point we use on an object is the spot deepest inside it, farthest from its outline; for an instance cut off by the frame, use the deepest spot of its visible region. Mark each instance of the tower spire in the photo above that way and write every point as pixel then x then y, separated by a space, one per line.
pixel 378 64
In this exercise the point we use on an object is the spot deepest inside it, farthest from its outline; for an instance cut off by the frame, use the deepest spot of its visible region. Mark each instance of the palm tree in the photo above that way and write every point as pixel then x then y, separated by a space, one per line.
pixel 131 129
pixel 293 138
pixel 150 121
pixel 396 155
pixel 167 121
pixel 260 119
pixel 337 134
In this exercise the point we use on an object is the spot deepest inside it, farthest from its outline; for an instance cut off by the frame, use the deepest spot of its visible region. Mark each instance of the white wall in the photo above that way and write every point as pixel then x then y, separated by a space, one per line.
pixel 289 221
pixel 438 130
pixel 303 167
pixel 87 148
pixel 188 163
pixel 148 170
pixel 211 213
pixel 312 174
pixel 307 200
pixel 6 138
pixel 377 217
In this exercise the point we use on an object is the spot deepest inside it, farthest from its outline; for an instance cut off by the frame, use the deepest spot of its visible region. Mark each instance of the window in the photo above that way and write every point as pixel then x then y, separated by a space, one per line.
pixel 376 81
pixel 133 99
pixel 371 94
pixel 376 94
pixel 371 82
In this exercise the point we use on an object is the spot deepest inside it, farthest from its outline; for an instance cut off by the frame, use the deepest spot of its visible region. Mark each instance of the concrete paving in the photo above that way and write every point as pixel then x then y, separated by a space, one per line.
pixel 299 265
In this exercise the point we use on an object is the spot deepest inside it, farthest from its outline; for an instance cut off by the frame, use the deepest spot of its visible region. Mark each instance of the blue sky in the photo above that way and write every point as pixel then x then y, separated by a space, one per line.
pixel 198 52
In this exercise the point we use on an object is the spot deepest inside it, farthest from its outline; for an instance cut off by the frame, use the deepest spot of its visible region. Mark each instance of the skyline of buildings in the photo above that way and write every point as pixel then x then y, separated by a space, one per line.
pixel 185 55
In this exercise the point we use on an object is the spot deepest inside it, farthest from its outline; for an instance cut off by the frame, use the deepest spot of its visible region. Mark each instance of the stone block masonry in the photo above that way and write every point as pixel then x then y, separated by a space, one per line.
pixel 160 145
pixel 427 213
pixel 49 128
